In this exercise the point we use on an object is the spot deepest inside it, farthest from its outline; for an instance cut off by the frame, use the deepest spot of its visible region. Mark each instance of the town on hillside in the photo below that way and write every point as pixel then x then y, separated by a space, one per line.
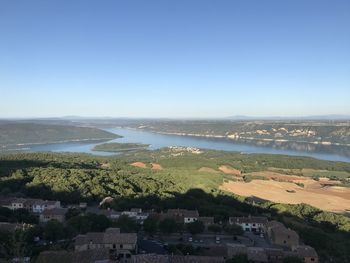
pixel 96 233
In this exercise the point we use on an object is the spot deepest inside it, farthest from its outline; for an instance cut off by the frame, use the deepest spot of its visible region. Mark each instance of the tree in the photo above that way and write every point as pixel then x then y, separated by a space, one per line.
pixel 238 259
pixel 168 226
pixel 234 229
pixel 195 227
pixel 80 224
pixel 72 212
pixel 292 260
pixel 53 230
pixel 214 228
pixel 32 232
pixel 127 224
pixel 150 226
pixel 99 223
pixel 90 222
pixel 24 216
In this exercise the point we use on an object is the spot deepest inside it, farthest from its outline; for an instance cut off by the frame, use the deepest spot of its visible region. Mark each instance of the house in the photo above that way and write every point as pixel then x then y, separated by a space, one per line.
pixel 88 256
pixel 38 205
pixel 282 236
pixel 250 223
pixel 306 253
pixel 30 204
pixel 6 202
pixel 236 249
pixel 17 203
pixel 120 244
pixel 275 255
pixel 182 215
pixel 257 254
pixel 114 215
pixel 212 250
pixel 152 258
pixel 254 254
pixel 137 214
pixel 207 221
pixel 53 214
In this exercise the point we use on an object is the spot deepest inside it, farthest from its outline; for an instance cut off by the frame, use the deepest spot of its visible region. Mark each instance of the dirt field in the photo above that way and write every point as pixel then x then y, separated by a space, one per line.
pixel 229 170
pixel 139 165
pixel 156 166
pixel 329 198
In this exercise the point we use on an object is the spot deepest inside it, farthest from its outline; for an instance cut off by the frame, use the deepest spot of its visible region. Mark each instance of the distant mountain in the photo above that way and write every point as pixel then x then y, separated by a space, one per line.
pixel 13 133
pixel 331 117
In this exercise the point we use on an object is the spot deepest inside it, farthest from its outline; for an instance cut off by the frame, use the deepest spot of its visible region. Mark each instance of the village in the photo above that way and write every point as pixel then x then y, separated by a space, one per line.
pixel 255 238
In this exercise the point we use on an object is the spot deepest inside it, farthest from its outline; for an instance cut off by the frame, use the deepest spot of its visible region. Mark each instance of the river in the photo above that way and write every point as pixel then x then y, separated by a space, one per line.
pixel 156 141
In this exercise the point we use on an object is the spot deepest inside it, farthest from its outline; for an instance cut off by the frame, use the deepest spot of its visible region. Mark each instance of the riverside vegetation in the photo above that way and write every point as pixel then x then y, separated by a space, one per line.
pixel 119 147
pixel 72 178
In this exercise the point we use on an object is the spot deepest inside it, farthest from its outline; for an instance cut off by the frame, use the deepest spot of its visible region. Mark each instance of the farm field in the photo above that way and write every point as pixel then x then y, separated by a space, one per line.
pixel 329 198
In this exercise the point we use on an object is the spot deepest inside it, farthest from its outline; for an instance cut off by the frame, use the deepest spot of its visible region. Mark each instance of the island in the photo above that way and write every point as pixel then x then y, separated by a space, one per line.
pixel 119 147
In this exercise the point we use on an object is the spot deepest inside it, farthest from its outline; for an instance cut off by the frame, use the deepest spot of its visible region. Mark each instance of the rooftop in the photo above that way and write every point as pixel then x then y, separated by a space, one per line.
pixel 305 251
pixel 55 211
pixel 183 212
pixel 249 219
pixel 112 235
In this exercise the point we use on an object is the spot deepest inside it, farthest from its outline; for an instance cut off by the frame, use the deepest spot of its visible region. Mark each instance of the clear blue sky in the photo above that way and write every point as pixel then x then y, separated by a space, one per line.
pixel 181 58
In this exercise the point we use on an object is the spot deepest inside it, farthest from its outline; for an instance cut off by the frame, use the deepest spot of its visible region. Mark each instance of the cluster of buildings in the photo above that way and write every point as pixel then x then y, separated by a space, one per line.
pixel 285 241
pixel 121 245
pixel 114 246
pixel 45 209
pixel 184 216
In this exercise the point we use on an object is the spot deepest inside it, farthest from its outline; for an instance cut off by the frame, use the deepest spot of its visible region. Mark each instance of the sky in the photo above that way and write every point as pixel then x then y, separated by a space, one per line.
pixel 183 58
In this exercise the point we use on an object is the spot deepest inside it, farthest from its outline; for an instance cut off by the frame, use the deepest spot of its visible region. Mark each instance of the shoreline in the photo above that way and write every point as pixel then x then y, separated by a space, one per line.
pixel 241 139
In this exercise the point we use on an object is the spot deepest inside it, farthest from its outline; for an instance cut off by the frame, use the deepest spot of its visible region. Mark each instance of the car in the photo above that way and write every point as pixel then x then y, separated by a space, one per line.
pixel 200 241
pixel 190 239
pixel 217 240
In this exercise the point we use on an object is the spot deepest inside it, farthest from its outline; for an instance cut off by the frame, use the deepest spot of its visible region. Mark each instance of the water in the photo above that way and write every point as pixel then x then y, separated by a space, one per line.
pixel 156 141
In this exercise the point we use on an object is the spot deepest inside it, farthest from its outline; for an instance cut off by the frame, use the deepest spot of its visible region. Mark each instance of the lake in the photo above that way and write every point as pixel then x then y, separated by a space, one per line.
pixel 156 141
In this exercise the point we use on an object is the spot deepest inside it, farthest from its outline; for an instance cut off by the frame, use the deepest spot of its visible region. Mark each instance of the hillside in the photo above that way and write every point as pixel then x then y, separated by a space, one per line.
pixel 12 134
pixel 185 178
pixel 317 132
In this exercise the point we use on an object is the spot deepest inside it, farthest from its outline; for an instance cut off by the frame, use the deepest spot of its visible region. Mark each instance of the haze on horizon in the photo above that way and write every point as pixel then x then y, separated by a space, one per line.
pixel 180 59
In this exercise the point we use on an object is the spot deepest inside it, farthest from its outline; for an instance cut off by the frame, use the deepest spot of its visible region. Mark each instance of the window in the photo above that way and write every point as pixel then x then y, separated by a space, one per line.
pixel 312 259
pixel 114 246
pixel 121 246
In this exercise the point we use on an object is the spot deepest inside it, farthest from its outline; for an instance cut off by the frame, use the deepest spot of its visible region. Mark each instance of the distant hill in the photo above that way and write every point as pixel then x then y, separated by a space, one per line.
pixel 317 132
pixel 332 117
pixel 33 133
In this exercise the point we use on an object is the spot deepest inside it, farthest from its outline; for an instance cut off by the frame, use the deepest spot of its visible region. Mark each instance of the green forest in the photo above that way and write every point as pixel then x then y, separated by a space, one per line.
pixel 13 133
pixel 119 147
